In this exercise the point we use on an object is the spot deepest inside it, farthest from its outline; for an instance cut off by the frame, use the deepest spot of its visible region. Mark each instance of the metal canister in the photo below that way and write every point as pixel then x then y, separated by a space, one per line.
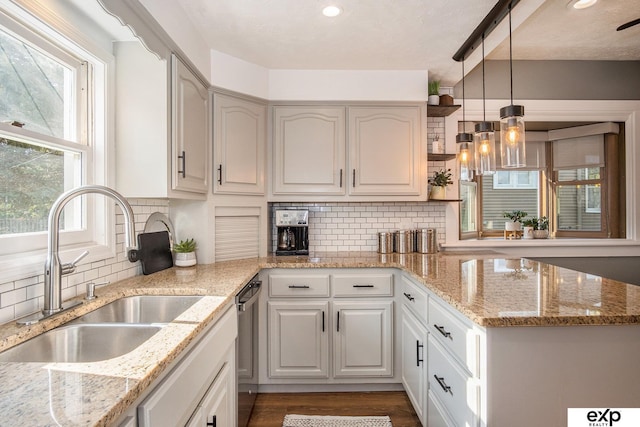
pixel 400 241
pixel 427 240
pixel 385 243
pixel 411 240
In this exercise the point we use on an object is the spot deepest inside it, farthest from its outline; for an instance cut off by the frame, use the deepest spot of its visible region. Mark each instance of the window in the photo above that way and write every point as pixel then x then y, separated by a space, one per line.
pixel 570 181
pixel 515 179
pixel 46 143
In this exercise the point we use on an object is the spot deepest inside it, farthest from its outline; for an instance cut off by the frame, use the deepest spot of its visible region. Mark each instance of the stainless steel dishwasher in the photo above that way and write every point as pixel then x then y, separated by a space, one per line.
pixel 247 349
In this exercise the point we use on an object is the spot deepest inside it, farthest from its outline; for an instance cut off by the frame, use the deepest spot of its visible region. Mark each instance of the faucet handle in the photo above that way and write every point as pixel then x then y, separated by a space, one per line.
pixel 70 267
pixel 91 289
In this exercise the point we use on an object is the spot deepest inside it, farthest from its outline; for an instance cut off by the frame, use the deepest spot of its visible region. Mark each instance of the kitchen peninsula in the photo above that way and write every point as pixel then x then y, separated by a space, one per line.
pixel 535 325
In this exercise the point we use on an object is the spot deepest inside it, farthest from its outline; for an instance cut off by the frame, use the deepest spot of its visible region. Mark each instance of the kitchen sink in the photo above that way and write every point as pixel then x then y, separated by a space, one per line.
pixel 79 343
pixel 141 309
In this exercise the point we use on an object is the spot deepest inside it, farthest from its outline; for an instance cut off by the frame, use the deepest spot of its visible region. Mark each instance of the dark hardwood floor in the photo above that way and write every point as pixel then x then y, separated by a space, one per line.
pixel 271 408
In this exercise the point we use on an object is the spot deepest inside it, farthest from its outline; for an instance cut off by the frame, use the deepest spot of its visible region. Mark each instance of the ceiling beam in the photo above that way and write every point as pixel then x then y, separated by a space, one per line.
pixel 488 24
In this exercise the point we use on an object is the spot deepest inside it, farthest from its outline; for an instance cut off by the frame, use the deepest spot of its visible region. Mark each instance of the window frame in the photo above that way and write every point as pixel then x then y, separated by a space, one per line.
pixel 547 198
pixel 95 130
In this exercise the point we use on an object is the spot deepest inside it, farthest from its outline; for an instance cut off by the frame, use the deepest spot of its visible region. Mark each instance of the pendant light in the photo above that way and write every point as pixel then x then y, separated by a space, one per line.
pixel 512 143
pixel 465 141
pixel 484 140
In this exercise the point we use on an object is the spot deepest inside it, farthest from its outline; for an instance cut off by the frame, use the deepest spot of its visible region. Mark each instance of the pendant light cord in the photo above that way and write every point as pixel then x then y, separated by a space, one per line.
pixel 464 121
pixel 510 56
pixel 484 107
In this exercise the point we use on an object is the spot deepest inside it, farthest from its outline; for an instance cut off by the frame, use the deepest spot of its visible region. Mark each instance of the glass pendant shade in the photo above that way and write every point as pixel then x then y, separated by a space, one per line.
pixel 485 148
pixel 466 164
pixel 512 140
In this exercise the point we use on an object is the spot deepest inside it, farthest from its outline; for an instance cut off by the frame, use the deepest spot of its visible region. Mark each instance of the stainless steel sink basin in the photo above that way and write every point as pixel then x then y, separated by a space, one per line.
pixel 81 343
pixel 141 309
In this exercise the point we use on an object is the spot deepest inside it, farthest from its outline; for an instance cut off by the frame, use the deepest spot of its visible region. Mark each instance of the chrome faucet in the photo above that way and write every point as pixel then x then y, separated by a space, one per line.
pixel 53 269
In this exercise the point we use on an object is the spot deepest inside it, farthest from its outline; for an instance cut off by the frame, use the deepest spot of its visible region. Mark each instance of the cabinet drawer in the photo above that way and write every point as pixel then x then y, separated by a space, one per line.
pixel 415 298
pixel 299 285
pixel 457 337
pixel 452 386
pixel 355 285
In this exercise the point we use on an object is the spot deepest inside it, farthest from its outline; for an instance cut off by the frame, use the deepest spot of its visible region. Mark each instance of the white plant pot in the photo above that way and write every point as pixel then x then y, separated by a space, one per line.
pixel 540 234
pixel 438 193
pixel 527 232
pixel 185 259
pixel 433 100
pixel 512 226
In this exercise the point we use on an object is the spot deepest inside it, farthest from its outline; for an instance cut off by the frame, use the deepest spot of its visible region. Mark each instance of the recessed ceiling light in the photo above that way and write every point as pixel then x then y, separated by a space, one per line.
pixel 583 4
pixel 331 11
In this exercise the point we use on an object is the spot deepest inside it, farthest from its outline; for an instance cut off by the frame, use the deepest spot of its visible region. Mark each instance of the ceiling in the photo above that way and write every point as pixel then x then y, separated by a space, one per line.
pixel 409 34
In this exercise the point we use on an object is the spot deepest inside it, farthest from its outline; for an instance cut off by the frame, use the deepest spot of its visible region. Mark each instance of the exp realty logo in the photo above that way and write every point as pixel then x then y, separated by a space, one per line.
pixel 603 417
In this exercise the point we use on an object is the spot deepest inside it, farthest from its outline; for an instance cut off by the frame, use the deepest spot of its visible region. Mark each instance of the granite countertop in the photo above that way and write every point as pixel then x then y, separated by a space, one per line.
pixel 491 291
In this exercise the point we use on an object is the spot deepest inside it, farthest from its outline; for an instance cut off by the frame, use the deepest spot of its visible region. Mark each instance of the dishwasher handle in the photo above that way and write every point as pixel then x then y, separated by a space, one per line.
pixel 248 295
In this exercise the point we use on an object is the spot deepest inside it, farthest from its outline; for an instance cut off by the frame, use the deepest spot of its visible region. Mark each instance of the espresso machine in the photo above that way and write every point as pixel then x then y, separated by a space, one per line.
pixel 292 228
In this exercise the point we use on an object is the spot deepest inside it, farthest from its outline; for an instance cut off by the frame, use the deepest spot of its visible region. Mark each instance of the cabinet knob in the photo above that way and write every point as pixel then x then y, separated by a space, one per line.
pixel 220 174
pixel 212 423
pixel 408 296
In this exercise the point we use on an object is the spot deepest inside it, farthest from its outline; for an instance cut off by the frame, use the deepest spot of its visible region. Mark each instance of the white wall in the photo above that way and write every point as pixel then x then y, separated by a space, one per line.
pixel 235 74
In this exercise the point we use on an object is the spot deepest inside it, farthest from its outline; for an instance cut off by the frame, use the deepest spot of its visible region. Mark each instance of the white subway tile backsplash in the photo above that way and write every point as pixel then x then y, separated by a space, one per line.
pixel 355 226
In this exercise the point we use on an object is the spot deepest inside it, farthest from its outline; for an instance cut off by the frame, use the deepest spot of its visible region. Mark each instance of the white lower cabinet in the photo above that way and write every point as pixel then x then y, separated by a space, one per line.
pixel 329 326
pixel 298 339
pixel 414 361
pixel 452 386
pixel 363 339
pixel 217 407
pixel 200 386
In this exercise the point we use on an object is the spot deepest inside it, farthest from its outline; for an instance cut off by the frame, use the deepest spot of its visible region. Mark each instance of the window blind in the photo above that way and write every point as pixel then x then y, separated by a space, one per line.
pixel 576 153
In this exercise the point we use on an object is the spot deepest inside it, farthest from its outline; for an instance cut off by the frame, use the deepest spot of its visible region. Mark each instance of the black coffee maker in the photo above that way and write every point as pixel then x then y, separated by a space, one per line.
pixel 292 232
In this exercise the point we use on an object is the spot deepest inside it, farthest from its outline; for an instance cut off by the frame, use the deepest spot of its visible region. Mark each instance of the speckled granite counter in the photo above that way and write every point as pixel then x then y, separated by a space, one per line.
pixel 493 292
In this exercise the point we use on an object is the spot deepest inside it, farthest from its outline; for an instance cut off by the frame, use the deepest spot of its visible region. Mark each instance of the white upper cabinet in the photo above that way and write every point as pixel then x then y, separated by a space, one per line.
pixel 161 111
pixel 384 150
pixel 360 153
pixel 190 125
pixel 239 145
pixel 309 150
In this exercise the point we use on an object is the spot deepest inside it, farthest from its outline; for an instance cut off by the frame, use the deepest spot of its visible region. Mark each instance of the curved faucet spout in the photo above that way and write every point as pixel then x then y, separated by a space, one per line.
pixel 53 269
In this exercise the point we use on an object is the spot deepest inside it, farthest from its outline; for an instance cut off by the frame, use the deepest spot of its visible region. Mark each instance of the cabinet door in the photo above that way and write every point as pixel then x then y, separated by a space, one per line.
pixel 190 122
pixel 298 339
pixel 309 150
pixel 239 141
pixel 217 406
pixel 385 150
pixel 414 364
pixel 363 339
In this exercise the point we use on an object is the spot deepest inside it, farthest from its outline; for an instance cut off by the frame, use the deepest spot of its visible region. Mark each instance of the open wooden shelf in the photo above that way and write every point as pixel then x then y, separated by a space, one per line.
pixel 441 110
pixel 440 157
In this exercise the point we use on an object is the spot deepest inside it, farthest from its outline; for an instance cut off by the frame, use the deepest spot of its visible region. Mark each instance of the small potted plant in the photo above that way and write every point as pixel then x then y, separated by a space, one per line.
pixel 439 182
pixel 514 217
pixel 541 228
pixel 185 253
pixel 527 227
pixel 434 92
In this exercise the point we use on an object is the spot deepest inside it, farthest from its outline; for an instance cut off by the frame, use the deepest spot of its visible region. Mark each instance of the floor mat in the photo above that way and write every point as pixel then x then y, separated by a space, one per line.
pixel 332 421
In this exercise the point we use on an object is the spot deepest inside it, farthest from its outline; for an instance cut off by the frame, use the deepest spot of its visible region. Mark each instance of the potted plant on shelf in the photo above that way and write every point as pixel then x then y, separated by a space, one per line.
pixel 434 92
pixel 439 182
pixel 541 228
pixel 514 217
pixel 185 253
